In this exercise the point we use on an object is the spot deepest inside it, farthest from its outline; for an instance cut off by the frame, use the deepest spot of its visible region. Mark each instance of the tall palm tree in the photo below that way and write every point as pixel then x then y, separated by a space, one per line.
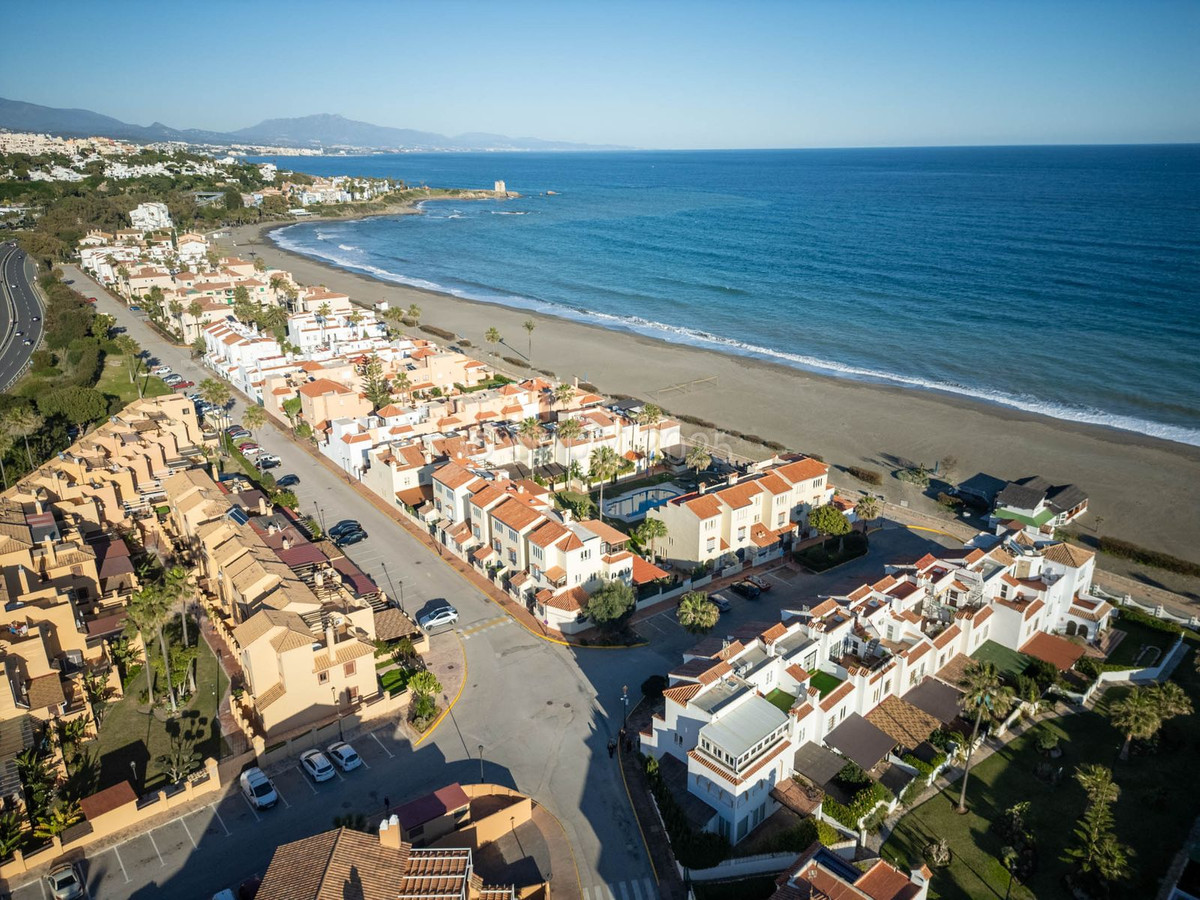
pixel 564 394
pixel 254 418
pixel 177 590
pixel 697 613
pixel 414 311
pixel 699 458
pixel 530 431
pixel 142 617
pixel 23 422
pixel 529 325
pixel 493 336
pixel 985 695
pixel 649 417
pixel 1172 700
pixel 867 509
pixel 402 385
pixel 568 431
pixel 651 530
pixel 603 464
pixel 323 312
pixel 216 393
pixel 1136 715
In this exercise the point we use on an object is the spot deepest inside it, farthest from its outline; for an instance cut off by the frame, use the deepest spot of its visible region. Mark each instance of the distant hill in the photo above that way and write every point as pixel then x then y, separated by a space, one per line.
pixel 319 131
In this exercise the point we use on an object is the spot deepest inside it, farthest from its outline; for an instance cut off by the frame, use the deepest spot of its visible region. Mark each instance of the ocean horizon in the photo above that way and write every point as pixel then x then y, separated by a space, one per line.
pixel 1063 281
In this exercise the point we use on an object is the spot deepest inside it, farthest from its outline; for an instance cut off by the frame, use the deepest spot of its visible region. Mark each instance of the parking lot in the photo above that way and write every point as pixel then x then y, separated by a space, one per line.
pixel 178 858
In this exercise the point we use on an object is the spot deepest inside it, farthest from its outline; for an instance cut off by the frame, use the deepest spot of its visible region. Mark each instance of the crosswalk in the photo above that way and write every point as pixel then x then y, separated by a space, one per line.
pixel 642 889
pixel 486 625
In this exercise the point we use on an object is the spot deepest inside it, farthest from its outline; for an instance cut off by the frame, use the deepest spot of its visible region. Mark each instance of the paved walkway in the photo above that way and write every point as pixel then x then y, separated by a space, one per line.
pixel 230 730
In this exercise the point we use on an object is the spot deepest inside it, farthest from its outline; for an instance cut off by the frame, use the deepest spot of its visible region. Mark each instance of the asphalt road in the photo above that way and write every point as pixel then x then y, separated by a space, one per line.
pixel 544 713
pixel 19 305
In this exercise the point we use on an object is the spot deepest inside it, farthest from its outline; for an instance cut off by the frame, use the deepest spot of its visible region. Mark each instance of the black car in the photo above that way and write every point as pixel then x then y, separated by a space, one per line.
pixel 745 589
pixel 267 463
pixel 721 602
pixel 351 537
pixel 344 527
pixel 287 481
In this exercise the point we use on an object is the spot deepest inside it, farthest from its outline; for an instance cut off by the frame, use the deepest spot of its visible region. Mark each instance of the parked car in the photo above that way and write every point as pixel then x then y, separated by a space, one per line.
pixel 91 299
pixel 316 765
pixel 344 757
pixel 235 427
pixel 759 582
pixel 226 894
pixel 350 537
pixel 745 589
pixel 240 434
pixel 438 617
pixel 132 308
pixel 66 883
pixel 270 461
pixel 721 602
pixel 247 445
pixel 184 385
pixel 344 527
pixel 172 380
pixel 289 480
pixel 257 788
pixel 160 371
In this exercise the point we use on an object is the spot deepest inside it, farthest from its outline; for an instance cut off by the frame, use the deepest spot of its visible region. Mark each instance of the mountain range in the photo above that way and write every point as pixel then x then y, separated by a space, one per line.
pixel 323 131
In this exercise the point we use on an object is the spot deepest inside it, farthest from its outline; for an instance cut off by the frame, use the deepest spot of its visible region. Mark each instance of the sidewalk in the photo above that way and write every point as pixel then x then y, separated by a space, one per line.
pixel 658 846
pixel 230 730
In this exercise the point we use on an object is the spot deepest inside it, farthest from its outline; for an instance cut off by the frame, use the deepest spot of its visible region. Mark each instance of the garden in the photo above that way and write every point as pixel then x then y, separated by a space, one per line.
pixel 1034 807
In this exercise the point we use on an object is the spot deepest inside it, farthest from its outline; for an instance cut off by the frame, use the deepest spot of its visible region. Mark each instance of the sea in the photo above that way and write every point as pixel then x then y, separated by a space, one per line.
pixel 1063 281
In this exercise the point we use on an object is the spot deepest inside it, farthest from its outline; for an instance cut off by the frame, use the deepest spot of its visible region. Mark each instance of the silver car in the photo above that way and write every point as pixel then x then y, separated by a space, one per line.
pixel 440 617
pixel 66 883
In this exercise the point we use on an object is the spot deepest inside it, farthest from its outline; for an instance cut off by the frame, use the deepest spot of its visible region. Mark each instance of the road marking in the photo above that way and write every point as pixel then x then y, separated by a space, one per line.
pixel 637 890
pixel 217 813
pixel 45 890
pixel 312 787
pixel 253 811
pixel 189 833
pixel 364 762
pixel 381 747
pixel 624 892
pixel 279 793
pixel 154 844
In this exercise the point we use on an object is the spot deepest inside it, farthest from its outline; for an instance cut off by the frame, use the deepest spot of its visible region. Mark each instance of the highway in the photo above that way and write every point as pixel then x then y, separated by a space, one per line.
pixel 20 314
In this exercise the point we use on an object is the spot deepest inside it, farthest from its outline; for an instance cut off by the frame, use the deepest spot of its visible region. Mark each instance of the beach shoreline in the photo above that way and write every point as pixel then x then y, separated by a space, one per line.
pixel 847 421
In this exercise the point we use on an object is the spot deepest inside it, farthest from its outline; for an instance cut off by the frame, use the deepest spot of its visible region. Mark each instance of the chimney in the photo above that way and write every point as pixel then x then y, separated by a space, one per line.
pixel 389 833
pixel 731 478
pixel 427 453
pixel 272 528
pixel 287 543
pixel 567 515
pixel 264 508
pixel 701 487
pixel 330 634
pixel 575 382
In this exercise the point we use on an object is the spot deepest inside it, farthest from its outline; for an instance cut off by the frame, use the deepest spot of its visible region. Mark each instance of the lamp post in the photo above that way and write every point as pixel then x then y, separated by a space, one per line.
pixel 481 763
pixel 133 769
pixel 625 703
pixel 388 576
pixel 334 692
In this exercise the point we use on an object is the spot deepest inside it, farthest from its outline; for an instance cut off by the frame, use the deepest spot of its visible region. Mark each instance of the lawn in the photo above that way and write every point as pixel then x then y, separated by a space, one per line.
pixel 1008 662
pixel 1138 636
pixel 1152 815
pixel 132 736
pixel 824 682
pixel 781 699
pixel 114 381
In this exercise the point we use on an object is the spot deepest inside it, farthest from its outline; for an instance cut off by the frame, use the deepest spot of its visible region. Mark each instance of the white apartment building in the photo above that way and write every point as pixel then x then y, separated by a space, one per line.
pixel 150 217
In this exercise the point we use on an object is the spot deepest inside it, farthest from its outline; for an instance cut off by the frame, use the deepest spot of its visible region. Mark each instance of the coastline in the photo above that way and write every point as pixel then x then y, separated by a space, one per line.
pixel 848 422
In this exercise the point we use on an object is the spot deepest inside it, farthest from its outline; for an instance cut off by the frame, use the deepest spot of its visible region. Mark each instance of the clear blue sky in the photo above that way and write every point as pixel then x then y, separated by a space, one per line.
pixel 647 74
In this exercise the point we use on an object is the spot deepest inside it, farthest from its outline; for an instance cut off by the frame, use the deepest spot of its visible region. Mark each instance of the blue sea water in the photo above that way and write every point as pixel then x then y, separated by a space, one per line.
pixel 1058 280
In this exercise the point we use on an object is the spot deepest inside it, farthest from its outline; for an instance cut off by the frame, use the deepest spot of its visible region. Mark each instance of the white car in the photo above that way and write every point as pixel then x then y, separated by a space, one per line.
pixel 258 788
pixel 65 883
pixel 160 371
pixel 438 618
pixel 344 757
pixel 316 765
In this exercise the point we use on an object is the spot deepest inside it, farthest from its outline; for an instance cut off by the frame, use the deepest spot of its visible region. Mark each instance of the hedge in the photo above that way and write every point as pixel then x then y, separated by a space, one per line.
pixel 867 475
pixel 437 332
pixel 800 837
pixel 1136 615
pixel 925 768
pixel 863 803
pixel 514 361
pixel 1147 557
pixel 694 849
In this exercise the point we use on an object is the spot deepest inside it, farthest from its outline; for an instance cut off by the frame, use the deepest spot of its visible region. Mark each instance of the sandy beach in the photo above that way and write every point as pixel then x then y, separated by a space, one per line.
pixel 1146 490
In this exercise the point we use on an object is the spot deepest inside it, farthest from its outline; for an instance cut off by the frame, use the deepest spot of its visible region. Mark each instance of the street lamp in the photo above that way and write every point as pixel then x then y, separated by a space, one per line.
pixel 481 763
pixel 625 702
pixel 388 575
pixel 133 769
pixel 334 692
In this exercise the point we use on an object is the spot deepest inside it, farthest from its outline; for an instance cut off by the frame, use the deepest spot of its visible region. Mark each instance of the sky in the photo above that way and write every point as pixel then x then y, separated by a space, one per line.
pixel 649 74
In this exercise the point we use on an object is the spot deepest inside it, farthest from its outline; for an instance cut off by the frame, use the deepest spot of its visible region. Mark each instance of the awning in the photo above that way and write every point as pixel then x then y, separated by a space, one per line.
pixel 645 571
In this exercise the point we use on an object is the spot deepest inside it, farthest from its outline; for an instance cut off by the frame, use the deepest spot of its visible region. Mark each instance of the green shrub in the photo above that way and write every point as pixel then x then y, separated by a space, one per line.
pixel 1147 557
pixel 1136 615
pixel 694 849
pixel 437 332
pixel 515 362
pixel 693 420
pixel 918 476
pixel 949 501
pixel 867 475
pixel 800 837
pixel 863 802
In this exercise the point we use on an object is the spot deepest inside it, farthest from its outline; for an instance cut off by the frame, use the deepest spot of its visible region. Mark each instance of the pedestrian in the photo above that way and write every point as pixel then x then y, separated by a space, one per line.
pixel 387 803
pixel 612 748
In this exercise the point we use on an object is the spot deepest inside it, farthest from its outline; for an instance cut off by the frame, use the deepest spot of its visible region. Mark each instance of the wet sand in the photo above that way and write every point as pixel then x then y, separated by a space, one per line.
pixel 1146 490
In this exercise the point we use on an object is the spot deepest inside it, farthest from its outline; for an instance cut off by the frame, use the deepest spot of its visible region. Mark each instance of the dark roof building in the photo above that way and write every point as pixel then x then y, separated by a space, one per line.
pixel 861 741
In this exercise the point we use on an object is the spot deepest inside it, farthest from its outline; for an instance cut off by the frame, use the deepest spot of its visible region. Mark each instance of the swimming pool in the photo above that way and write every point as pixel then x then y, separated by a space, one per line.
pixel 634 505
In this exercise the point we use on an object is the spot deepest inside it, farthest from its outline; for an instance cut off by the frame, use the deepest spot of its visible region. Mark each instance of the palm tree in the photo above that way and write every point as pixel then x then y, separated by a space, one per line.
pixel 1137 715
pixel 603 464
pixel 493 336
pixel 1098 782
pixel 984 694
pixel 867 509
pixel 697 613
pixel 216 393
pixel 178 590
pixel 322 314
pixel 529 325
pixel 530 431
pixel 650 416
pixel 567 431
pixel 147 610
pixel 1172 700
pixel 22 422
pixel 650 531
pixel 254 418
pixel 564 394
pixel 414 311
pixel 698 458
pixel 401 384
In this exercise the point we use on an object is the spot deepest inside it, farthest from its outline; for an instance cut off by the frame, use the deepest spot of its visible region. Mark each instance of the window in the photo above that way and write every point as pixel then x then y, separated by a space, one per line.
pixel 742 533
pixel 780 520
pixel 322 678
pixel 512 556
pixel 348 669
